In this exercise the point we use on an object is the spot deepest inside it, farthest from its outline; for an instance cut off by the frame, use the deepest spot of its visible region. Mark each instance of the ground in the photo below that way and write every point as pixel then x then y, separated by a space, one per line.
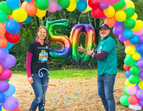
pixel 69 94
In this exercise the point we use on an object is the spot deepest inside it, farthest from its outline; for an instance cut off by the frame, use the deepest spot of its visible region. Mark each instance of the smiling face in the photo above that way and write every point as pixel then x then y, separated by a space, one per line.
pixel 42 34
pixel 104 32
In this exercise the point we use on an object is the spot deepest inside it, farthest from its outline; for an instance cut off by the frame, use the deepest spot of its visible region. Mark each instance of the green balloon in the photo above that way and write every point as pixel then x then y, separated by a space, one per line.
pixel 64 3
pixel 119 5
pixel 129 12
pixel 134 79
pixel 125 92
pixel 124 100
pixel 5 8
pixel 129 23
pixel 129 61
pixel 135 70
pixel 3 17
pixel 42 4
pixel 7 80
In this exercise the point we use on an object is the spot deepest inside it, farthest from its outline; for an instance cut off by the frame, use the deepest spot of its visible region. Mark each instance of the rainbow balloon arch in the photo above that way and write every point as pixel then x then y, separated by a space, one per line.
pixel 118 14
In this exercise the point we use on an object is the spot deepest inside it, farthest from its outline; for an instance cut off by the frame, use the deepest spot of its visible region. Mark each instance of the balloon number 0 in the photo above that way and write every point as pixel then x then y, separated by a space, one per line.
pixel 69 46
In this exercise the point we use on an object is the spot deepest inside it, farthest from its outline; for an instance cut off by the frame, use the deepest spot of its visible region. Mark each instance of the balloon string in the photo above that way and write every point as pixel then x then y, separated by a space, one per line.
pixel 60 15
pixel 89 19
pixel 79 18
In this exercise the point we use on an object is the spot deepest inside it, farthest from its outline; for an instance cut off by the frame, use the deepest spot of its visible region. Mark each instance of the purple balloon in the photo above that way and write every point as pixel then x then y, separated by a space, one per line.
pixel 140 63
pixel 116 23
pixel 137 87
pixel 118 29
pixel 122 38
pixel 20 24
pixel 10 103
pixel 59 8
pixel 140 102
pixel 2 56
pixel 9 61
pixel 4 86
pixel 139 94
pixel 104 6
pixel 141 75
pixel 141 39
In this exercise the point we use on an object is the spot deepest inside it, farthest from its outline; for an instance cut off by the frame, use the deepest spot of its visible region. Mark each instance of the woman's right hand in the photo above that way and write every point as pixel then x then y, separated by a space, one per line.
pixel 30 80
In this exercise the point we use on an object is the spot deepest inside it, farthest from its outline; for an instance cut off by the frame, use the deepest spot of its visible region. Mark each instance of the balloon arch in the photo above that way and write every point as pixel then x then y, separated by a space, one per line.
pixel 119 14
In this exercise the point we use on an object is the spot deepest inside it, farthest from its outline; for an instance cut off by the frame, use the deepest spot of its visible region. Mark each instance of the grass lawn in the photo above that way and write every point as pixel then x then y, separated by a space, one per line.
pixel 57 74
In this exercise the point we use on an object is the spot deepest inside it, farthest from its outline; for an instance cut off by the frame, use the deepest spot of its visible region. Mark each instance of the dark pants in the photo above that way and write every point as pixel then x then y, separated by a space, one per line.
pixel 105 90
pixel 40 91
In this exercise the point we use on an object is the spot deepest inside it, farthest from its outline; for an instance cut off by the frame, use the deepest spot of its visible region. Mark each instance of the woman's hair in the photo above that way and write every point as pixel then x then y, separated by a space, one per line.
pixel 46 39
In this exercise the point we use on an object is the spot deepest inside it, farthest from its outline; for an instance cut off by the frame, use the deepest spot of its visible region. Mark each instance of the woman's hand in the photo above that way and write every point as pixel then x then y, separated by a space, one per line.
pixel 81 49
pixel 30 80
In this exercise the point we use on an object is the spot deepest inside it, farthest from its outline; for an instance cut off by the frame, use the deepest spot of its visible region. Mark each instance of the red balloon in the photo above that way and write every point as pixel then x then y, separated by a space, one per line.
pixel 97 12
pixel 93 3
pixel 127 68
pixel 12 38
pixel 133 100
pixel 17 109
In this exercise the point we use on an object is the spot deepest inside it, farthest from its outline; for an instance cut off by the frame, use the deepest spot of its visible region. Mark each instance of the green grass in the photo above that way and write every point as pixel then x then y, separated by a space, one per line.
pixel 57 74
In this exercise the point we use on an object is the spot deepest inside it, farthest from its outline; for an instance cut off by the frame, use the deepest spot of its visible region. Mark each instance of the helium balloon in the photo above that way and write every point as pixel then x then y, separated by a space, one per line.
pixel 10 103
pixel 134 40
pixel 93 3
pixel 97 12
pixel 131 90
pixel 140 63
pixel 119 5
pixel 72 5
pixel 59 8
pixel 5 75
pixel 109 2
pixel 133 100
pixel 12 26
pixel 28 20
pixel 122 38
pixel 136 56
pixel 129 12
pixel 135 16
pixel 53 6
pixel 141 85
pixel 110 21
pixel 139 94
pixel 135 70
pixel 109 12
pixel 64 3
pixel 141 75
pixel 0 69
pixel 130 50
pixel 13 4
pixel 139 48
pixel 130 3
pixel 127 43
pixel 3 42
pixel 10 91
pixel 138 33
pixel 5 8
pixel 5 50
pixel 133 79
pixel 125 92
pixel 81 5
pixel 2 98
pixel 124 100
pixel 128 33
pixel 104 6
pixel 138 26
pixel 129 23
pixel 40 13
pixel 4 86
pixel 42 4
pixel 129 61
pixel 127 68
pixel 2 29
pixel 3 17
pixel 118 29
pixel 9 61
pixel 127 74
pixel 127 83
pixel 20 24
pixel 12 38
pixel 140 103
pixel 31 9
pixel 120 16
pixel 19 15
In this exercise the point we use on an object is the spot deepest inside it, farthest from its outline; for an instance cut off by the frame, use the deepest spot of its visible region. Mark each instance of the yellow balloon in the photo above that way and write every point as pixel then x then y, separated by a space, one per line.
pixel 120 16
pixel 23 5
pixel 138 26
pixel 136 56
pixel 3 109
pixel 140 85
pixel 127 83
pixel 19 15
pixel 40 13
pixel 135 16
pixel 72 5
pixel 88 7
pixel 109 12
pixel 130 50
pixel 130 3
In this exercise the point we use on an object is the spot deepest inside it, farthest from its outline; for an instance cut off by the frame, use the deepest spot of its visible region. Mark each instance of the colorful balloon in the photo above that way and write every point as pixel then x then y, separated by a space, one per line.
pixel 130 50
pixel 141 75
pixel 81 5
pixel 2 30
pixel 141 84
pixel 104 6
pixel 139 94
pixel 4 86
pixel 127 74
pixel 31 9
pixel 2 98
pixel 136 56
pixel 135 70
pixel 64 3
pixel 109 12
pixel 124 100
pixel 129 23
pixel 131 90
pixel 3 42
pixel 110 21
pixel 138 26
pixel 72 5
pixel 28 20
pixel 13 4
pixel 129 61
pixel 133 100
pixel 120 16
pixel 122 38
pixel 42 4
pixel 118 29
pixel 5 75
pixel 128 33
pixel 119 5
pixel 3 17
pixel 40 13
pixel 127 68
pixel 97 12
pixel 5 8
pixel 93 3
pixel 134 79
pixel 129 12
pixel 10 91
pixel 134 39
pixel 53 6
pixel 109 2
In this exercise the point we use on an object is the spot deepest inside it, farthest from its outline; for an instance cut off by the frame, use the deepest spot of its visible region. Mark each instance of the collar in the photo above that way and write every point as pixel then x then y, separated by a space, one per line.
pixel 102 38
pixel 38 42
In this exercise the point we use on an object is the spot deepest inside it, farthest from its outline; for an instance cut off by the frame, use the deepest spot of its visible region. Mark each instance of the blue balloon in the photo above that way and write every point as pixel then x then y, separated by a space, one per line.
pixel 2 97
pixel 134 40
pixel 139 48
pixel 13 4
pixel 10 45
pixel 10 91
pixel 28 20
pixel 12 26
pixel 127 33
pixel 0 108
pixel 5 50
pixel 127 74
pixel 28 0
pixel 81 5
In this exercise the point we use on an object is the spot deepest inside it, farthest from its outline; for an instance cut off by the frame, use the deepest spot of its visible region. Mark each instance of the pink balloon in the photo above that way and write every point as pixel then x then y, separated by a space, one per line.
pixel 138 33
pixel 53 6
pixel 5 75
pixel 108 2
pixel 131 90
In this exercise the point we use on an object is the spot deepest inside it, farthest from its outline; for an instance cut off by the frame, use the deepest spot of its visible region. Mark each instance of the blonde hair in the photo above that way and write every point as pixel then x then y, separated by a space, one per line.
pixel 46 39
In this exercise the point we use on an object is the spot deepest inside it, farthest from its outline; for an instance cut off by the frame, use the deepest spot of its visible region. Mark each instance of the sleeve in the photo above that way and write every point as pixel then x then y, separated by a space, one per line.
pixel 28 64
pixel 100 56
pixel 31 48
pixel 108 46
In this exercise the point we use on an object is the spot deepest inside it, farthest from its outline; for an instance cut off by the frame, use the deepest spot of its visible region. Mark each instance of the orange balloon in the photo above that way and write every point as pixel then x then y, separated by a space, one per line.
pixel 10 17
pixel 127 43
pixel 0 69
pixel 2 30
pixel 3 42
pixel 110 21
pixel 33 1
pixel 84 12
pixel 31 9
